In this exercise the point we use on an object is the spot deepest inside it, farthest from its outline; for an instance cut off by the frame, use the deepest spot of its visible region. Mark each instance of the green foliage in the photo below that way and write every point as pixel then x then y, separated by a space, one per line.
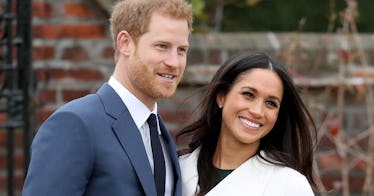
pixel 200 15
pixel 277 15
pixel 198 9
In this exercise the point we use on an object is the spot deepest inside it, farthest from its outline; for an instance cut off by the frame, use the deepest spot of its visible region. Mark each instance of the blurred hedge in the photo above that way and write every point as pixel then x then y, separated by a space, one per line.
pixel 284 15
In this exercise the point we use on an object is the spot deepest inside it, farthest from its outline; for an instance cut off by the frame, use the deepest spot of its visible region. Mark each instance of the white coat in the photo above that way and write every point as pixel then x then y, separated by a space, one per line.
pixel 254 177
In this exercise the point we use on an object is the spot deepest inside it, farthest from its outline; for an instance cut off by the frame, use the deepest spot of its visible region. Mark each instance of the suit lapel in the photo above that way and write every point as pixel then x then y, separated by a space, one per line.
pixel 131 141
pixel 129 137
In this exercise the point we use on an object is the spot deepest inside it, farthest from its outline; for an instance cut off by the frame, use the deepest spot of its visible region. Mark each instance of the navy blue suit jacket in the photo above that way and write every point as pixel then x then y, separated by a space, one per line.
pixel 91 146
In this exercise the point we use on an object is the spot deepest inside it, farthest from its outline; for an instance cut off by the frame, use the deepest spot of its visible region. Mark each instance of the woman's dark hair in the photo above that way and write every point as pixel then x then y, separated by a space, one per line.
pixel 289 143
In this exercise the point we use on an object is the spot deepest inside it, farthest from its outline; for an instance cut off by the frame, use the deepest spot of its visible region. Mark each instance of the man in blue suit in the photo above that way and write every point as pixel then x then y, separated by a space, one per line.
pixel 100 144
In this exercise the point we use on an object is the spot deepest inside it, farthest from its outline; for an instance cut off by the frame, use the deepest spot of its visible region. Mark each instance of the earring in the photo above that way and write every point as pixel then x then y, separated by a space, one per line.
pixel 220 106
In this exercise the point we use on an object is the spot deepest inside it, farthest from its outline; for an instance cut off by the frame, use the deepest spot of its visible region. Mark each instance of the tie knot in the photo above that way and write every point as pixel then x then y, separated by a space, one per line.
pixel 152 121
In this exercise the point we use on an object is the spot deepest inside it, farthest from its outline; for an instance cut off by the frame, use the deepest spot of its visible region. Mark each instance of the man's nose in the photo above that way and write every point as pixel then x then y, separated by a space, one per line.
pixel 172 59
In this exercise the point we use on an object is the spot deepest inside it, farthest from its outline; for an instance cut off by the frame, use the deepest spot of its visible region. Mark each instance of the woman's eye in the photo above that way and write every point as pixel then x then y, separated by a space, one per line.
pixel 272 104
pixel 248 94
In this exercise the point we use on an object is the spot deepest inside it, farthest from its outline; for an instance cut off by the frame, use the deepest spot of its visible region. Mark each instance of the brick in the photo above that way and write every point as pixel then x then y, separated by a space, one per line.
pixel 3 117
pixel 331 182
pixel 329 162
pixel 2 137
pixel 175 115
pixel 43 53
pixel 326 143
pixel 18 138
pixel 81 31
pixel 84 31
pixel 195 56
pixel 78 10
pixel 214 56
pixel 14 49
pixel 46 31
pixel 44 114
pixel 108 53
pixel 3 161
pixel 13 6
pixel 76 53
pixel 2 75
pixel 4 53
pixel 18 181
pixel 42 75
pixel 334 183
pixel 361 164
pixel 86 74
pixel 3 181
pixel 18 161
pixel 334 162
pixel 356 183
pixel 42 9
pixel 56 73
pixel 68 95
pixel 48 96
pixel 358 73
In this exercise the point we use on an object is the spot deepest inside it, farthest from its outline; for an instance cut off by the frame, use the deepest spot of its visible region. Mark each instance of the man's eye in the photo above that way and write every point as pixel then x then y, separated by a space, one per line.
pixel 182 50
pixel 162 46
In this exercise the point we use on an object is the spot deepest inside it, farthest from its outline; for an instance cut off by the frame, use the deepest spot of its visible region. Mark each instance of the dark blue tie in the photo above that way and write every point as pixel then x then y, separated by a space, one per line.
pixel 158 156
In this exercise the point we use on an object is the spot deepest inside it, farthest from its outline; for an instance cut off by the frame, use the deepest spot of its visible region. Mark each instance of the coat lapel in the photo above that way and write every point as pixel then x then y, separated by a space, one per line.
pixel 254 172
pixel 188 164
pixel 129 137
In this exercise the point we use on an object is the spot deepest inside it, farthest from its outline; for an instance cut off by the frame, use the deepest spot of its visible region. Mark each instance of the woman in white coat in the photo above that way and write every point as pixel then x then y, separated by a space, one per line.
pixel 253 134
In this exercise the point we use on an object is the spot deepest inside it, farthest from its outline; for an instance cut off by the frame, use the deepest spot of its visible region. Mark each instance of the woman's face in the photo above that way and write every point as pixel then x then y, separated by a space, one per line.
pixel 250 109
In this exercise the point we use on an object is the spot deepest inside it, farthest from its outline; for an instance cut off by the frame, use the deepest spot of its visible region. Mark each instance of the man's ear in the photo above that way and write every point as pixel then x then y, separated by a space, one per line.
pixel 124 43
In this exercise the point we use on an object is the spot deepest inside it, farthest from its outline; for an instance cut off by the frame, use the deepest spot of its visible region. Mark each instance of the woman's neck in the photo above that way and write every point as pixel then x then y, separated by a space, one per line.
pixel 230 155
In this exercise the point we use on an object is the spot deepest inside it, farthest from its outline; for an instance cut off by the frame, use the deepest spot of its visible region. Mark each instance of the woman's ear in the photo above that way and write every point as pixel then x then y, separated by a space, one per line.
pixel 220 100
pixel 124 43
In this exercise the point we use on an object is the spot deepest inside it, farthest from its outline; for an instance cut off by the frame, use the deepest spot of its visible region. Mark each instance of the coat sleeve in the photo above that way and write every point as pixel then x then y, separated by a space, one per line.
pixel 61 157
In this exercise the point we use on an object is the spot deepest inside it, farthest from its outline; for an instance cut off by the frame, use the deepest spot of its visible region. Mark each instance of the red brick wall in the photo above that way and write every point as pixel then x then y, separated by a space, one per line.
pixel 72 51
pixel 72 55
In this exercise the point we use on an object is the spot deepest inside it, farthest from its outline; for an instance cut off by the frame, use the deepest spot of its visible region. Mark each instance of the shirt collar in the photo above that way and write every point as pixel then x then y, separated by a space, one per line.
pixel 139 112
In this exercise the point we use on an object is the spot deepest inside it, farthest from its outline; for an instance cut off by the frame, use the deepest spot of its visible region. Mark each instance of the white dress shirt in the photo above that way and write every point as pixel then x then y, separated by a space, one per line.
pixel 140 113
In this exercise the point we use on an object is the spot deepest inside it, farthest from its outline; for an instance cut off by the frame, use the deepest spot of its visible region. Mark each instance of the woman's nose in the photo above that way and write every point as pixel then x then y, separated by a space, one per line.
pixel 256 109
